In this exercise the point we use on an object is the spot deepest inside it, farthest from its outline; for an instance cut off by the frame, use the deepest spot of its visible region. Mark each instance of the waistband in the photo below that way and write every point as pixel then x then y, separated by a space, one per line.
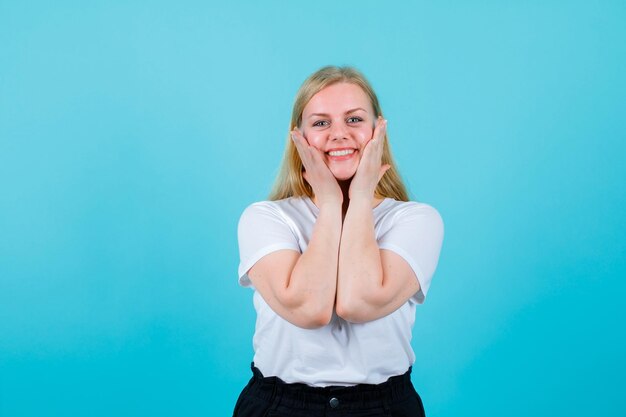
pixel 274 390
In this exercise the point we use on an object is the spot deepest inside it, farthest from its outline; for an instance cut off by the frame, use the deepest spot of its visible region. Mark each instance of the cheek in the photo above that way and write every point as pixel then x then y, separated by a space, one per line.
pixel 314 139
pixel 364 136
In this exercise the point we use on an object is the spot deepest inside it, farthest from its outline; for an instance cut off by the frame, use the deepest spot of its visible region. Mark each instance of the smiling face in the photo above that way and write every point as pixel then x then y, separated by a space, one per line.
pixel 339 121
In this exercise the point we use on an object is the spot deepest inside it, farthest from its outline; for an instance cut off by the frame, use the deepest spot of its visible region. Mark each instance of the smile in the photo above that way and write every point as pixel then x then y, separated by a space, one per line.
pixel 342 152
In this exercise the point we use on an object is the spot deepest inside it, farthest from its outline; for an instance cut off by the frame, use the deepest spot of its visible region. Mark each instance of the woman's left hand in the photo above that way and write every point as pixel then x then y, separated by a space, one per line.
pixel 370 169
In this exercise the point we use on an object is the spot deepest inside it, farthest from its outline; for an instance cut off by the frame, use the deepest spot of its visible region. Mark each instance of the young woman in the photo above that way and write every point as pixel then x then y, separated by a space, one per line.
pixel 338 259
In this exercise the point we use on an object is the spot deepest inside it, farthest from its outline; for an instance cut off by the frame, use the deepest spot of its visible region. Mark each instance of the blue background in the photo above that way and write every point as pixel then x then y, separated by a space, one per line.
pixel 133 134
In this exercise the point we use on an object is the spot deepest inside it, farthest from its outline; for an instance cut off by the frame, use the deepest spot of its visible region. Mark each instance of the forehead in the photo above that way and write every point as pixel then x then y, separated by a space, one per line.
pixel 338 98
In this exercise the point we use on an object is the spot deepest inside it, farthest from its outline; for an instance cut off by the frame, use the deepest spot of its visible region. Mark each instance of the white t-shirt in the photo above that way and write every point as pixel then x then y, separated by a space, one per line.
pixel 340 353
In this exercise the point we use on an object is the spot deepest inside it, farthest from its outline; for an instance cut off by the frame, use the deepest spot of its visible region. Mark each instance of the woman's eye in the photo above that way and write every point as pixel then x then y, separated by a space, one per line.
pixel 354 119
pixel 320 123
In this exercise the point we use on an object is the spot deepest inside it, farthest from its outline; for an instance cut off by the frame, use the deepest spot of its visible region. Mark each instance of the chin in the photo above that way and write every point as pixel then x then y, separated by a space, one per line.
pixel 343 176
pixel 344 171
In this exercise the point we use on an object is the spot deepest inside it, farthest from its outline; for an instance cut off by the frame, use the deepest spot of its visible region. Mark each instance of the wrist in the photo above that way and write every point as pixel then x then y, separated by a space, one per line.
pixel 361 201
pixel 361 196
pixel 328 202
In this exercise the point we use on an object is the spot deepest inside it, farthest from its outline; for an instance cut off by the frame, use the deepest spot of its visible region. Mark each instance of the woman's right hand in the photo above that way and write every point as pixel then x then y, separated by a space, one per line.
pixel 317 174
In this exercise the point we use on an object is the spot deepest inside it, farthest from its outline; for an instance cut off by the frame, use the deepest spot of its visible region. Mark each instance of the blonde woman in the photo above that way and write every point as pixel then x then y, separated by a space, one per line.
pixel 338 259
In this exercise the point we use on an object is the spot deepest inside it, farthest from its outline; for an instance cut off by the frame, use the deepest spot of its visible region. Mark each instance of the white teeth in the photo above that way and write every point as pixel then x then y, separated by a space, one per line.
pixel 341 153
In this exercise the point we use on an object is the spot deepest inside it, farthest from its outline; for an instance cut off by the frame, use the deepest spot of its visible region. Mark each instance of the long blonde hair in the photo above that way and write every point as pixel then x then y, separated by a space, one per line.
pixel 290 182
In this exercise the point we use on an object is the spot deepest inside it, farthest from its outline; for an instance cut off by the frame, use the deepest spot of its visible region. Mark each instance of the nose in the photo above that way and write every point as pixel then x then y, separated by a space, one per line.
pixel 338 131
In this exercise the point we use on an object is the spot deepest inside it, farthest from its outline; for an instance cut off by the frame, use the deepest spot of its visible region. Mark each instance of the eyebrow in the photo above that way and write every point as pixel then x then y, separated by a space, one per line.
pixel 348 112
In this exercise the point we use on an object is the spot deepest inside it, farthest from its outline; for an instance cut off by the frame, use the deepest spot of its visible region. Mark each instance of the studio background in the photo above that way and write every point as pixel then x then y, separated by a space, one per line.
pixel 133 134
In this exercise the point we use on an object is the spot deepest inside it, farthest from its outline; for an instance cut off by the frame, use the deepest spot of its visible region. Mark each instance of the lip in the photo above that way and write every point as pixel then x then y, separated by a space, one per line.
pixel 341 149
pixel 342 157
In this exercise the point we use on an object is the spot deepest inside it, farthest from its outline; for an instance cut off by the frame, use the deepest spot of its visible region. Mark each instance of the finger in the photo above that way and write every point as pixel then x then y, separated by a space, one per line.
pixel 383 169
pixel 378 136
pixel 311 157
pixel 379 140
pixel 297 138
pixel 302 146
pixel 298 134
pixel 381 130
pixel 378 127
pixel 375 145
pixel 303 143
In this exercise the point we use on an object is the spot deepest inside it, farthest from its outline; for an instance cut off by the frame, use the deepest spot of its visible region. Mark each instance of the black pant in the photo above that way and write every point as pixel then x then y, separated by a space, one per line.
pixel 271 397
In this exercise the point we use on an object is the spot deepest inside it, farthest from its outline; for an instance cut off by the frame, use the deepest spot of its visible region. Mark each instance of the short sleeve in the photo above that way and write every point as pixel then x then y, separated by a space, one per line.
pixel 262 229
pixel 416 235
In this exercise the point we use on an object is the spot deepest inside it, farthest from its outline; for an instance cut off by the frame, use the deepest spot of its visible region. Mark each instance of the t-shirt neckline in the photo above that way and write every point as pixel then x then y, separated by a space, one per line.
pixel 316 210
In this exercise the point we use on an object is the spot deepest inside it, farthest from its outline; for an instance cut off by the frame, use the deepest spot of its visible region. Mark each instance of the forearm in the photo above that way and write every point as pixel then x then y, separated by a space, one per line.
pixel 360 274
pixel 313 282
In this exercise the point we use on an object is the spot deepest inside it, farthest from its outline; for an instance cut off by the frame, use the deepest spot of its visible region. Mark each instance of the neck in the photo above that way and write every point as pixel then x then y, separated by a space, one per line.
pixel 345 189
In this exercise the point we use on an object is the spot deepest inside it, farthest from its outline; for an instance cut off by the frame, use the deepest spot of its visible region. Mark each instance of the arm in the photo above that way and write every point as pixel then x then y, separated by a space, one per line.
pixel 301 288
pixel 372 283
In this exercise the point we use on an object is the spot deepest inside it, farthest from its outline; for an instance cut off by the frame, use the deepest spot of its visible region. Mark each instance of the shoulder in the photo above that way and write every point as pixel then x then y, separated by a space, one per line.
pixel 411 211
pixel 260 207
pixel 259 210
pixel 284 209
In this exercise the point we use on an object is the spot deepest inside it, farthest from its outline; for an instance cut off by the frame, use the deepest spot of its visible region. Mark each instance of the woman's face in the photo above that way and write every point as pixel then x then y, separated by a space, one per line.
pixel 339 121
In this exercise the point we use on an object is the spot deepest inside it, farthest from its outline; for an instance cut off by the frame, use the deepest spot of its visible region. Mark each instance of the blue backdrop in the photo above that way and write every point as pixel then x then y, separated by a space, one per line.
pixel 133 134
